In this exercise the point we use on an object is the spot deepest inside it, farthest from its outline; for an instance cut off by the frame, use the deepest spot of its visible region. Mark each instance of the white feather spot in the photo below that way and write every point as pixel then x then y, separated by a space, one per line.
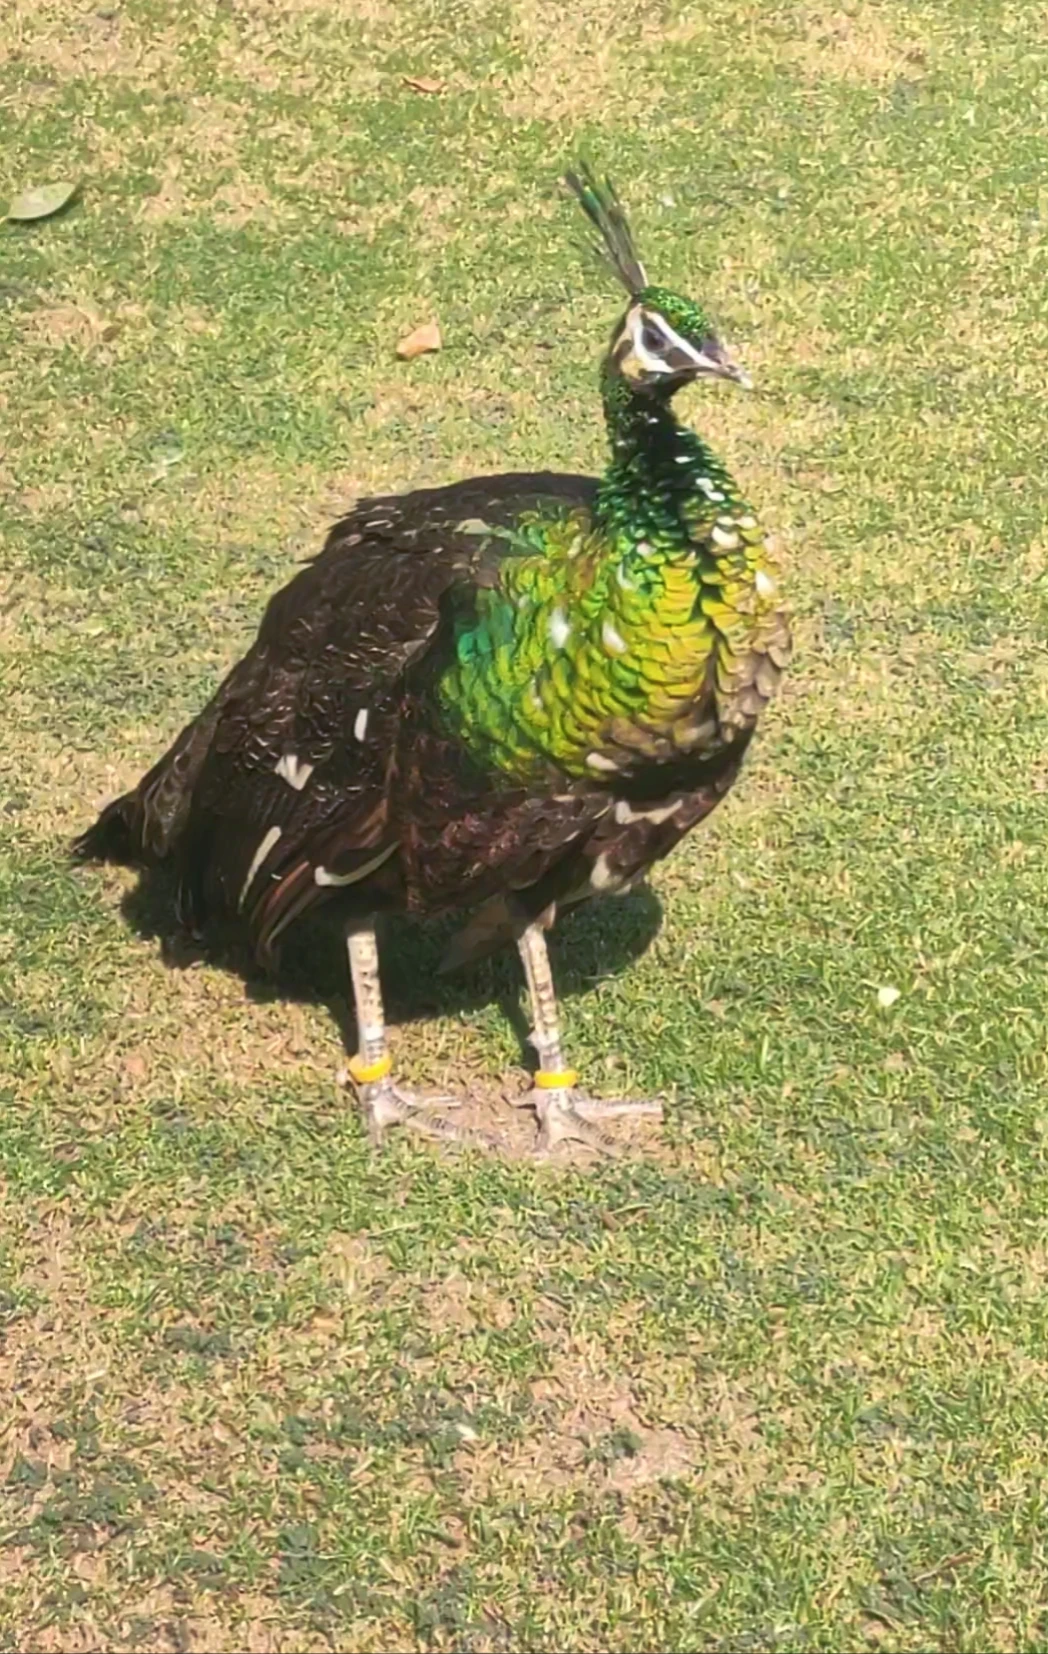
pixel 598 761
pixel 559 628
pixel 292 770
pixel 612 639
pixel 623 579
pixel 725 538
pixel 360 723
pixel 321 875
pixel 764 583
pixel 268 841
pixel 684 459
pixel 625 813
pixel 603 876
pixel 749 521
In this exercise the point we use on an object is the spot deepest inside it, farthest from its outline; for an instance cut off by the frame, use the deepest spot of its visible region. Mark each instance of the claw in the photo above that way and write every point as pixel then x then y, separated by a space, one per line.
pixel 569 1116
pixel 385 1104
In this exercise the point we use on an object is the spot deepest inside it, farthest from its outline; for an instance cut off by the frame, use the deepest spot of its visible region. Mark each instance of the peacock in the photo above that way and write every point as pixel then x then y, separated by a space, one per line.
pixel 506 695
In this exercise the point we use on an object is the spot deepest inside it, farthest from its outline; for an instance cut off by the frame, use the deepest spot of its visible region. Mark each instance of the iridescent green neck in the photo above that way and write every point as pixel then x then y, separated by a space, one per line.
pixel 659 469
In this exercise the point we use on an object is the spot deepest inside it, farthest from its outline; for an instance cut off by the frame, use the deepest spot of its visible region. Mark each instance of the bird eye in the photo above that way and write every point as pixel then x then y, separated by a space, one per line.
pixel 652 339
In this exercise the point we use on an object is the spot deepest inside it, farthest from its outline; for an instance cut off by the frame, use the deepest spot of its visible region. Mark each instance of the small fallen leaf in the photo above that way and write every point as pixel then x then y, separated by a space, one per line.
pixel 887 996
pixel 325 1326
pixel 423 83
pixel 42 202
pixel 423 339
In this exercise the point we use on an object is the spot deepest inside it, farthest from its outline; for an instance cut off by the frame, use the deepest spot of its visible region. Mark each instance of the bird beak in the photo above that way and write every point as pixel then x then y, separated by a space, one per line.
pixel 737 375
pixel 714 359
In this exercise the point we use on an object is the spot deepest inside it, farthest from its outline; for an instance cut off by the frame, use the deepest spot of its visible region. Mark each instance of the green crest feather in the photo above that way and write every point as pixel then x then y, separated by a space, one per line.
pixel 604 210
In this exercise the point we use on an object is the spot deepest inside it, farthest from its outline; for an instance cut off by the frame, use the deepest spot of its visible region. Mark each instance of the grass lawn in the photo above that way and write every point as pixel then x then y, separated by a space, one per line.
pixel 778 1378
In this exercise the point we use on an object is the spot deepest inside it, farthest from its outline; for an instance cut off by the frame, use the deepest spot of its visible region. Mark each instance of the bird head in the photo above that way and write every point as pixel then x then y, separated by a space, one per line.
pixel 663 340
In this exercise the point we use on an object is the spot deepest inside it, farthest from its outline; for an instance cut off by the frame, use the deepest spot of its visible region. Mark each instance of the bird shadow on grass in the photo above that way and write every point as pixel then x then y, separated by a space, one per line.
pixel 589 944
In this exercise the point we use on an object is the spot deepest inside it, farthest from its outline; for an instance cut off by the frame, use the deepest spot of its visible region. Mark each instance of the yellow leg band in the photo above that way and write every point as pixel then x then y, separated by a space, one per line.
pixel 562 1080
pixel 365 1073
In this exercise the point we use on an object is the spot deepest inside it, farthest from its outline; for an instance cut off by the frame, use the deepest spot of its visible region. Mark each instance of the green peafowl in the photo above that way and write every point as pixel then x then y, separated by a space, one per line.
pixel 509 694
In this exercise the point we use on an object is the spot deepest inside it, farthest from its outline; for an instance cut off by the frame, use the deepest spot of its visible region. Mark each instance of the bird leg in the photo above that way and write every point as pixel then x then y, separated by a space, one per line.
pixel 384 1103
pixel 565 1113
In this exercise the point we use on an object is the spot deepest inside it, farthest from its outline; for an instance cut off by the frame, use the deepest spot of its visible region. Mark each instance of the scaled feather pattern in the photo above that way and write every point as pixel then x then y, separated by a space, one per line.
pixel 514 692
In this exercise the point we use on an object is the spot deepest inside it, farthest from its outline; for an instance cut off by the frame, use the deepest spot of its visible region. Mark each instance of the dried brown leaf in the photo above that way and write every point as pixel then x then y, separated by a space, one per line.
pixel 422 340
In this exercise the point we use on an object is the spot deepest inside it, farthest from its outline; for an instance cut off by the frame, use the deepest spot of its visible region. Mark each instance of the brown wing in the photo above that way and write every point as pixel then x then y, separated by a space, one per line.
pixel 279 795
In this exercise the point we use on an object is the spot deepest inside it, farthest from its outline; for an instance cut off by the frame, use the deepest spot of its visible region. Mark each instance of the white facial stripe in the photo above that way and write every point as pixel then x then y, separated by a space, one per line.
pixel 671 340
pixel 674 339
pixel 653 364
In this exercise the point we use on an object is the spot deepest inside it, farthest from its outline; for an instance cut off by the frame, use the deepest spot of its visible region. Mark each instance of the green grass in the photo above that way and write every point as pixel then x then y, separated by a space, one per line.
pixel 777 1379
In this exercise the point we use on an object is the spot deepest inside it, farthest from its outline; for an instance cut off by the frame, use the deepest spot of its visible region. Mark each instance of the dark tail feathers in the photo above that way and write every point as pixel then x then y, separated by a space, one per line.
pixel 113 836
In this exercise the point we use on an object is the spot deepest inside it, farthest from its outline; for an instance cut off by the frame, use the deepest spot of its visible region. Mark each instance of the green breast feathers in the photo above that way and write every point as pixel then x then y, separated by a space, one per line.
pixel 646 633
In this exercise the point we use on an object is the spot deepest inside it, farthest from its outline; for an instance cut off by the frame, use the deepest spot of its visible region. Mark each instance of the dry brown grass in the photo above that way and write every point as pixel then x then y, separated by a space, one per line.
pixel 861 45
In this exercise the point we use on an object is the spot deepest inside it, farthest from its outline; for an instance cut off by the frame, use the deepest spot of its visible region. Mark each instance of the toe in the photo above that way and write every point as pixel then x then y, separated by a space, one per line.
pixel 385 1104
pixel 572 1117
pixel 569 1127
pixel 593 1108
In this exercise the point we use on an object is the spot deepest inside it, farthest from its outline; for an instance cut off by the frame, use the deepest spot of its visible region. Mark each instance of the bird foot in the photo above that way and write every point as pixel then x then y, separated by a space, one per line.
pixel 570 1116
pixel 385 1104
